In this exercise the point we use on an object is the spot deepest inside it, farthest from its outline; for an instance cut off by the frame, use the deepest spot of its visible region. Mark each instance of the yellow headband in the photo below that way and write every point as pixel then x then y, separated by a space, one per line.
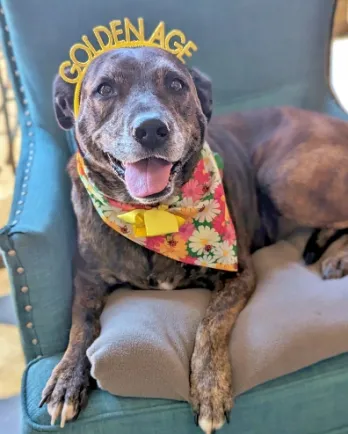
pixel 120 35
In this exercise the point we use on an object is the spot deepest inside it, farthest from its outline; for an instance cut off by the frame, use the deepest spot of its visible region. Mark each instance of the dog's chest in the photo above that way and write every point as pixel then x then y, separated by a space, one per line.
pixel 122 261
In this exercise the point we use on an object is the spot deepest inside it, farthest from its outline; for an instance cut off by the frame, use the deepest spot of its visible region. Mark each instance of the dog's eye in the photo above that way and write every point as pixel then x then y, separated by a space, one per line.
pixel 177 85
pixel 105 89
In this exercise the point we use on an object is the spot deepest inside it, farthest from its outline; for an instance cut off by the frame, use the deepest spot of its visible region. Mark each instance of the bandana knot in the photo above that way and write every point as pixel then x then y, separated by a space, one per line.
pixel 152 222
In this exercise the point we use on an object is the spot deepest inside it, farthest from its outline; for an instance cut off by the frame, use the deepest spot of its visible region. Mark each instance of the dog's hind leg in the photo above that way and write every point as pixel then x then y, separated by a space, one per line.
pixel 335 264
pixel 319 242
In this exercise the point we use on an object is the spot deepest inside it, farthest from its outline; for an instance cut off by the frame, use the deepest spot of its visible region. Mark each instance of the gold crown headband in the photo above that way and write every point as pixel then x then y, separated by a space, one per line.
pixel 120 35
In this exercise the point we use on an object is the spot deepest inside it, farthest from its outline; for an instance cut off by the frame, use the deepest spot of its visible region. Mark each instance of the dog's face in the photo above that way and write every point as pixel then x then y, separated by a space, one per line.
pixel 141 122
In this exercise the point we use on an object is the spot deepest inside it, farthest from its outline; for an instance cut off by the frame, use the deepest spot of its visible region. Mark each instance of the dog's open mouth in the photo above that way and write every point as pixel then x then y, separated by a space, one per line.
pixel 147 177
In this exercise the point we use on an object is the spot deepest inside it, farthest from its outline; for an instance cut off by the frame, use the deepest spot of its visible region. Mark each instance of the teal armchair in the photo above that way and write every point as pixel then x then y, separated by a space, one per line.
pixel 258 53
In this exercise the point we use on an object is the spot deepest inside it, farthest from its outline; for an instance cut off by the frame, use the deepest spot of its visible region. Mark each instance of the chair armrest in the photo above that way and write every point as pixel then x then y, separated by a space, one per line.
pixel 333 107
pixel 38 244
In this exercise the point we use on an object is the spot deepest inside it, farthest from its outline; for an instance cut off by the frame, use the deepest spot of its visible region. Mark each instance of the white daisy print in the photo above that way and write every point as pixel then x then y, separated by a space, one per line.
pixel 208 159
pixel 208 211
pixel 215 181
pixel 110 213
pixel 224 254
pixel 205 261
pixel 173 201
pixel 203 240
pixel 187 202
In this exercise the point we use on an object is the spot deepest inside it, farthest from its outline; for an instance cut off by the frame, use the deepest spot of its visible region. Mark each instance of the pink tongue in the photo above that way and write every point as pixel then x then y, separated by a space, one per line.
pixel 147 177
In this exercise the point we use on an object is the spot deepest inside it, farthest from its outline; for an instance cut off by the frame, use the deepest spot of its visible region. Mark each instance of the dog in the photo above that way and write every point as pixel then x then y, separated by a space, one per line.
pixel 335 265
pixel 142 103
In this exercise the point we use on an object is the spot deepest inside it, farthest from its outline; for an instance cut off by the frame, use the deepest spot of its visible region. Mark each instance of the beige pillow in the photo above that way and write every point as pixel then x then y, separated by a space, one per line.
pixel 294 319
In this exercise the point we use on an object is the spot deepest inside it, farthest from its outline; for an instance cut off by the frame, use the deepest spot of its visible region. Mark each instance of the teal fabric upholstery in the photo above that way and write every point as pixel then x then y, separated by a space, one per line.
pixel 258 54
pixel 311 401
pixel 42 233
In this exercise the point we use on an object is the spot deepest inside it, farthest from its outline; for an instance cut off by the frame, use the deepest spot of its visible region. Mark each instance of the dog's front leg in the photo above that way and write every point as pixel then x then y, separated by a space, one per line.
pixel 211 373
pixel 66 389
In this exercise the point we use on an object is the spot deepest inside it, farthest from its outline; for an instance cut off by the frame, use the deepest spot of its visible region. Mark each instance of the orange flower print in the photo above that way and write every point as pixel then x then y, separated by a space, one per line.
pixel 228 267
pixel 188 208
pixel 80 164
pixel 173 246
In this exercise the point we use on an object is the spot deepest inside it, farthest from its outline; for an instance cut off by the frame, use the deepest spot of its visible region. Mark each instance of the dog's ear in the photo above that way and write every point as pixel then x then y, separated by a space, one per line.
pixel 204 91
pixel 63 100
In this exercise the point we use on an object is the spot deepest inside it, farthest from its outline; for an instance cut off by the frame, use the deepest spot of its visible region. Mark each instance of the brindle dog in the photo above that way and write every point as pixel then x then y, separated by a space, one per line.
pixel 272 167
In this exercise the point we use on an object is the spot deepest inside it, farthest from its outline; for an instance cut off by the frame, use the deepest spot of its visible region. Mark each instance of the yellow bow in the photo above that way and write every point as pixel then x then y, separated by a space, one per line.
pixel 152 222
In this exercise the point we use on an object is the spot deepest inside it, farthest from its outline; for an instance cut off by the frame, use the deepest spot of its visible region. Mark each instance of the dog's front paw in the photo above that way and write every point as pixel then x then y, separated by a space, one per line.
pixel 211 387
pixel 66 390
pixel 336 266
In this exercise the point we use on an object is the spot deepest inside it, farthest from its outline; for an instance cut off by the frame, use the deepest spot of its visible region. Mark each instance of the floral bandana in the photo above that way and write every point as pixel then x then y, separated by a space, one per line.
pixel 193 227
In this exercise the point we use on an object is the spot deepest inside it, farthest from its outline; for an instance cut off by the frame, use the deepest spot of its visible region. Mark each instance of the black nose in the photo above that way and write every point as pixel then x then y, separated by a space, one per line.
pixel 151 133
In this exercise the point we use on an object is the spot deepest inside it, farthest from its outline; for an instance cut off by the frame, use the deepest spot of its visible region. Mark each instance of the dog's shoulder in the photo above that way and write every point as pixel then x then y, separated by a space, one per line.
pixel 79 195
pixel 72 169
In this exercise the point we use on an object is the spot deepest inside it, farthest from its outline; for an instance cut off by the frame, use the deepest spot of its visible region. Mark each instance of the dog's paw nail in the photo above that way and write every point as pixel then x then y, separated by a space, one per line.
pixel 196 417
pixel 227 416
pixel 69 412
pixel 55 413
pixel 43 401
pixel 208 426
pixel 66 392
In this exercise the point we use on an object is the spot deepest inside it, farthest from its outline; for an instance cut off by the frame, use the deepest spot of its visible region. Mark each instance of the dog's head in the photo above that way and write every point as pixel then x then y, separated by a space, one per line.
pixel 141 122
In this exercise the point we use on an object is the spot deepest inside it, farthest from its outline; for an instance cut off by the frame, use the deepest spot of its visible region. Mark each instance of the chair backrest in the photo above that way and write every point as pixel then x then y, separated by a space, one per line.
pixel 258 53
